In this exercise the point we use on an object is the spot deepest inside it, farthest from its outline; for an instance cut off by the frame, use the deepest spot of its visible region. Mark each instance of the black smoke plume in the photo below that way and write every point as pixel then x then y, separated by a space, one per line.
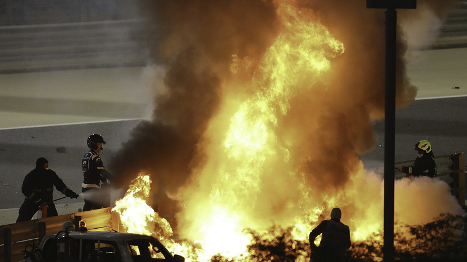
pixel 337 124
pixel 193 41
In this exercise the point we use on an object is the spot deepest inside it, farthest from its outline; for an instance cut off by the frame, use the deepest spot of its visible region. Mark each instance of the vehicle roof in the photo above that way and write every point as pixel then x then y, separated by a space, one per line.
pixel 110 236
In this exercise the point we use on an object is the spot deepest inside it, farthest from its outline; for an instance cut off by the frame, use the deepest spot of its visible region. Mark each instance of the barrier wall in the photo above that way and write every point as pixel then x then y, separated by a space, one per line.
pixel 15 237
pixel 35 12
pixel 451 169
pixel 43 35
pixel 453 33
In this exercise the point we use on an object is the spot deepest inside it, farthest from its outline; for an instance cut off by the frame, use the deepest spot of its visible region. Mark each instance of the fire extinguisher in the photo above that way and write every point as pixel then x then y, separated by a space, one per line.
pixel 66 245
pixel 42 210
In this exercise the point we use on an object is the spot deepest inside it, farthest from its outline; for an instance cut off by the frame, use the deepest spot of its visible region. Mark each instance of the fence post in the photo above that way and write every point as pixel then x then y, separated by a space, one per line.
pixel 7 244
pixel 458 177
pixel 42 228
pixel 76 220
pixel 462 179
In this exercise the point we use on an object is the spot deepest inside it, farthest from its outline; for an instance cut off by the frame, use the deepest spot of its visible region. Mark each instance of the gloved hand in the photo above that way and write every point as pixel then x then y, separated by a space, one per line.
pixel 71 194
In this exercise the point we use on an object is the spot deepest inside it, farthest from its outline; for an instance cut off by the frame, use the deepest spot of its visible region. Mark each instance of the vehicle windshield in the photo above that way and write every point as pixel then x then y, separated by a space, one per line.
pixel 143 250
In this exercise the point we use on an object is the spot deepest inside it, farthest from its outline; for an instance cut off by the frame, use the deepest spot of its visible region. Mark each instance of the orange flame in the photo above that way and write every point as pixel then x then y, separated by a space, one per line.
pixel 136 215
pixel 250 179
pixel 242 155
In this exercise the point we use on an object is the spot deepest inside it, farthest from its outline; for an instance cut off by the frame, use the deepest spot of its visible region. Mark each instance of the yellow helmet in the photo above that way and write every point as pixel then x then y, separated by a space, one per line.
pixel 423 145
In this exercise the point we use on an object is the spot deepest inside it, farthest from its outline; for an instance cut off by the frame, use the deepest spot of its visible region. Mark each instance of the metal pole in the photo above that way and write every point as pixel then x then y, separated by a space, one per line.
pixel 42 228
pixel 7 245
pixel 389 134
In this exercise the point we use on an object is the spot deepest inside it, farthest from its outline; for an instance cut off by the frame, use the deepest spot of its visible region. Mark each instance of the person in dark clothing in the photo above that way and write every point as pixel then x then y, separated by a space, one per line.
pixel 335 239
pixel 38 189
pixel 94 174
pixel 424 164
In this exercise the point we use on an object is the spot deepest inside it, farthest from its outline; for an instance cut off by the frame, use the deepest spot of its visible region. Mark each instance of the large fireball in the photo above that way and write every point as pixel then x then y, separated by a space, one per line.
pixel 262 111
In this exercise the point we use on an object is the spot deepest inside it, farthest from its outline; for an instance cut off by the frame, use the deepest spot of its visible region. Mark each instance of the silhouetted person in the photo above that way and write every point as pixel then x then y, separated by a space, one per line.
pixel 424 164
pixel 94 173
pixel 38 189
pixel 335 239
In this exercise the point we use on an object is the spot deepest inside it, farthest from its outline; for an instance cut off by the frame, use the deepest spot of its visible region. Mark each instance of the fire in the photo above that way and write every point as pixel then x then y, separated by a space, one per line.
pixel 255 176
pixel 249 152
pixel 136 215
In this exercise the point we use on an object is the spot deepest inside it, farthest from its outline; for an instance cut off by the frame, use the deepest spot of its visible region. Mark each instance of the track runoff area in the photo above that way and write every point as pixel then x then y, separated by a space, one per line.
pixel 63 145
pixel 439 119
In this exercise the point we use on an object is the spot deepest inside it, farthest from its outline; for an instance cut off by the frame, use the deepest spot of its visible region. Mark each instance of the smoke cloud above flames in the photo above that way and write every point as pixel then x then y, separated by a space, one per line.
pixel 193 44
pixel 262 110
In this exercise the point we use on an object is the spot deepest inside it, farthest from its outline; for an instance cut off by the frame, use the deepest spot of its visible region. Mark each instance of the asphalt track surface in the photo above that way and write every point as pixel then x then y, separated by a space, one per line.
pixel 439 115
pixel 438 120
pixel 442 121
pixel 62 145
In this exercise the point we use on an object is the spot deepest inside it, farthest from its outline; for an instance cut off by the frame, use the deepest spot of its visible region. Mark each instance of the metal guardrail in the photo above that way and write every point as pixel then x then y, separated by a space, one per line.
pixel 72 46
pixel 15 237
pixel 45 35
pixel 453 32
pixel 14 12
pixel 449 168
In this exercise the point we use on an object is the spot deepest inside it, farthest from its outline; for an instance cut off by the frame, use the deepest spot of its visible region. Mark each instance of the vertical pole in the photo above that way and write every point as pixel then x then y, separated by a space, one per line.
pixel 42 228
pixel 389 134
pixel 7 244
pixel 76 220
pixel 461 180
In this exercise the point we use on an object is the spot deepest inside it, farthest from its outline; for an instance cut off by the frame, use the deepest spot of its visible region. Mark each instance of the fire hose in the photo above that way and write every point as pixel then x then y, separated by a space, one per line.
pixel 79 195
pixel 57 199
pixel 51 201
pixel 43 207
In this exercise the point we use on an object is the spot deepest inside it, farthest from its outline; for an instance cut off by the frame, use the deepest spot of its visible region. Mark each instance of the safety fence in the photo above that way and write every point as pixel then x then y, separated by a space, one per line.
pixel 15 238
pixel 48 35
pixel 453 32
pixel 100 44
pixel 35 12
pixel 451 169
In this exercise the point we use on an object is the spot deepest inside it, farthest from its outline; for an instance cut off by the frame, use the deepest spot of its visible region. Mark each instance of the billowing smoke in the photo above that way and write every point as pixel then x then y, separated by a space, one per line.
pixel 438 8
pixel 340 120
pixel 215 60
pixel 422 27
pixel 193 42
